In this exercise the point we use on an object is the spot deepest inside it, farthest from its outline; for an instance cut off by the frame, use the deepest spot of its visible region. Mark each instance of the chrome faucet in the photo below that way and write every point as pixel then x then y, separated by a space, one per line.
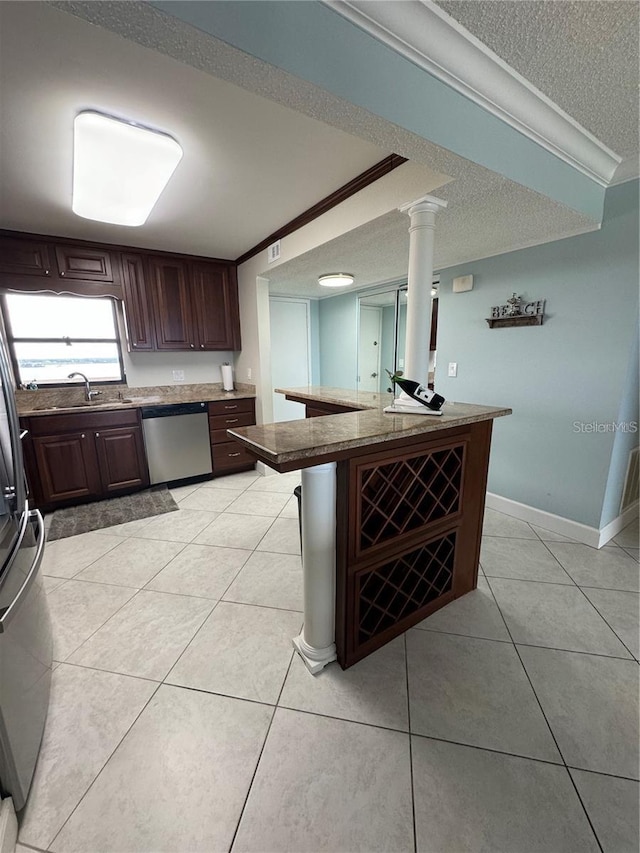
pixel 88 393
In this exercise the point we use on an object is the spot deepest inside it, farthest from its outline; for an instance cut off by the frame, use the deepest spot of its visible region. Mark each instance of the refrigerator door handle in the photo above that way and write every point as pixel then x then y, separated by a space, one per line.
pixel 13 608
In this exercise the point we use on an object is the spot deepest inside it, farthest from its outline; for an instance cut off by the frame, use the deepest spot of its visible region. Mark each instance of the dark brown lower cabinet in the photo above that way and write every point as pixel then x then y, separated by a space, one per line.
pixel 409 524
pixel 121 459
pixel 229 456
pixel 67 467
pixel 72 458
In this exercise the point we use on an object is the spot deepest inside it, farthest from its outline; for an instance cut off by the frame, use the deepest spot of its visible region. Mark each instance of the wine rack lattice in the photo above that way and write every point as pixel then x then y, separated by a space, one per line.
pixel 400 496
pixel 403 586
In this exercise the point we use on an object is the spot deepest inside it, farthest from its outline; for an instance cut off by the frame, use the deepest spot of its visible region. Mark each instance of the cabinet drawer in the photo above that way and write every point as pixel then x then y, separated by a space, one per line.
pixel 225 407
pixel 230 455
pixel 219 424
pixel 85 420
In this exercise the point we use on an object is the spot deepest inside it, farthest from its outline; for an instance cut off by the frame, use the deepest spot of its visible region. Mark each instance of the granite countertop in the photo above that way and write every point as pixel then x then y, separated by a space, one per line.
pixel 339 396
pixel 297 444
pixel 47 401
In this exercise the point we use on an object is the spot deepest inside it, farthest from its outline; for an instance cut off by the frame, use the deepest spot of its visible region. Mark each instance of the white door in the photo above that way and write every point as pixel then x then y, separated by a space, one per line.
pixel 369 348
pixel 290 353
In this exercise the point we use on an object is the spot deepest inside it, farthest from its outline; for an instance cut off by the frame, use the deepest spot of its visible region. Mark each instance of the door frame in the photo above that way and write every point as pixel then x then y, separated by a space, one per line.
pixel 297 300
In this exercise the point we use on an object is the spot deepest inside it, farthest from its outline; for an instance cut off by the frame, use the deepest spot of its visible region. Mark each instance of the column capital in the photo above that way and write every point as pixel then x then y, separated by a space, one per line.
pixel 428 203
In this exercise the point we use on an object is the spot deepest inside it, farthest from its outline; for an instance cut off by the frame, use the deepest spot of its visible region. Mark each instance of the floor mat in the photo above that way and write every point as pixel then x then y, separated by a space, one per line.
pixel 73 520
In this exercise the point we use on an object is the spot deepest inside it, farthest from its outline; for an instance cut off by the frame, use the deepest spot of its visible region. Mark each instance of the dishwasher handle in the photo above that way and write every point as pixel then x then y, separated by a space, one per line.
pixel 172 410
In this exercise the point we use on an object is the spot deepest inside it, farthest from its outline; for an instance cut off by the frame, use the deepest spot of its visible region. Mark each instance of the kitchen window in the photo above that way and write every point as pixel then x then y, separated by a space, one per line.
pixel 51 336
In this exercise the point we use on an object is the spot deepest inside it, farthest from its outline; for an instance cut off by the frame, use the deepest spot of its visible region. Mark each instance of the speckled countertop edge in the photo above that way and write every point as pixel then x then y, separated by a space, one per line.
pixel 297 441
pixel 54 401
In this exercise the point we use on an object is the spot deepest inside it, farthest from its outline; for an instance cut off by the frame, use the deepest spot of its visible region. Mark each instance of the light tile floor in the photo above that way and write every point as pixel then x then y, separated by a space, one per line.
pixel 181 721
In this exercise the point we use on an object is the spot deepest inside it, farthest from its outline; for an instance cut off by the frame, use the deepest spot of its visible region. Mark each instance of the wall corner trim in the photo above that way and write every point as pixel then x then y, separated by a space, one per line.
pixel 437 43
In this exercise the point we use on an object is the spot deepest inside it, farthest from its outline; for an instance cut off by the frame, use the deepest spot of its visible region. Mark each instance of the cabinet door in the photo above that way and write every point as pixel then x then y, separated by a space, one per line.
pixel 171 305
pixel 67 466
pixel 136 304
pixel 24 257
pixel 215 300
pixel 121 458
pixel 76 262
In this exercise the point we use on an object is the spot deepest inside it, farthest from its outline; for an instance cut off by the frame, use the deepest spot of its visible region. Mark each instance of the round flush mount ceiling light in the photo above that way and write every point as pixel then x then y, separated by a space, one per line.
pixel 336 279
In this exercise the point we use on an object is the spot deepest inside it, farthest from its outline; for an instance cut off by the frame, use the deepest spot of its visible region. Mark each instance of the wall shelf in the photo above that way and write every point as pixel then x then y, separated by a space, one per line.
pixel 522 320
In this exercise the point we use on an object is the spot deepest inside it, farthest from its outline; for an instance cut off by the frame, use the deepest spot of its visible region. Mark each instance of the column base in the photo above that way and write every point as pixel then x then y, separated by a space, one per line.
pixel 314 659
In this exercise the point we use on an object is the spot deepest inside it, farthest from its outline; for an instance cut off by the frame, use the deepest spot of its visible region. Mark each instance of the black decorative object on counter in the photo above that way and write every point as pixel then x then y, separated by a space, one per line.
pixel 418 392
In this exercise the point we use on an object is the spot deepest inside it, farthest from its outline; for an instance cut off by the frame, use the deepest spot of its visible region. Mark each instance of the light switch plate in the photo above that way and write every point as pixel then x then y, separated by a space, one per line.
pixel 453 368
pixel 178 375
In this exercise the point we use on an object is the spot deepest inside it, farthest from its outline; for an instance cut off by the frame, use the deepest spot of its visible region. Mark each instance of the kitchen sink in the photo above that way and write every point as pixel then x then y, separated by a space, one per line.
pixel 106 404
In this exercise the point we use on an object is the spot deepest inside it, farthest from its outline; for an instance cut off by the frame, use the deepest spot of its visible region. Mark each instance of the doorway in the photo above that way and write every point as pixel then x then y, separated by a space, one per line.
pixel 290 353
pixel 369 347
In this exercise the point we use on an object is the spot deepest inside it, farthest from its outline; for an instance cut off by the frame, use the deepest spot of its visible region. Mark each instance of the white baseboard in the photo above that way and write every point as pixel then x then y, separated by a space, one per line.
pixel 591 536
pixel 614 527
pixel 8 826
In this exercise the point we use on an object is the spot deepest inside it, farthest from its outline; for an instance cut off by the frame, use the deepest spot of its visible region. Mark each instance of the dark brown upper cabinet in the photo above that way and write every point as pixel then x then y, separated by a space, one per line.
pixel 137 312
pixel 171 302
pixel 77 262
pixel 214 299
pixel 24 257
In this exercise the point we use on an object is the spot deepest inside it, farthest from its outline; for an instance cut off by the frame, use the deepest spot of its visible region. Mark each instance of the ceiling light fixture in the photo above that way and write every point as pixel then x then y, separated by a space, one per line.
pixel 336 279
pixel 119 169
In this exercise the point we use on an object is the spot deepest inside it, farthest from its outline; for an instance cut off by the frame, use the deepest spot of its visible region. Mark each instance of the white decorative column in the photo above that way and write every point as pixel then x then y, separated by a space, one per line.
pixel 422 213
pixel 316 642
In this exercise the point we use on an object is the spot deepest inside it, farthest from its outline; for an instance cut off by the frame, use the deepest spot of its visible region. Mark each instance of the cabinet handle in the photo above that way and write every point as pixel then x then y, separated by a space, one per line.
pixel 232 420
pixel 231 407
pixel 233 454
pixel 82 436
pixel 97 435
pixel 135 345
pixel 192 346
pixel 62 272
pixel 201 346
pixel 46 272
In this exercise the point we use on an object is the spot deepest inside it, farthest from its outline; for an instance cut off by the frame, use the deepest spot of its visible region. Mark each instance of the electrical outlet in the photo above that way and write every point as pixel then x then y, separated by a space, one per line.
pixel 178 375
pixel 248 373
pixel 453 368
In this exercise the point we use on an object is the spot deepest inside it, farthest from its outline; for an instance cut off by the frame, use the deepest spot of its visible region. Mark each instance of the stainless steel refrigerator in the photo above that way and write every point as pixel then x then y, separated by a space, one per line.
pixel 25 625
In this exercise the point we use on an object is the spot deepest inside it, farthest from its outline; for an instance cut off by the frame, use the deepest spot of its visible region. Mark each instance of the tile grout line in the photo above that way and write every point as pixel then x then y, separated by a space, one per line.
pixel 564 763
pixel 413 795
pixel 99 773
pixel 611 628
pixel 183 652
pixel 264 743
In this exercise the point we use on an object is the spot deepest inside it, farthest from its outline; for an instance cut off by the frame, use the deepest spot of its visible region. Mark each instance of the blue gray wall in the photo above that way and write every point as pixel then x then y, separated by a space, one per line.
pixel 314 343
pixel 570 372
pixel 625 438
pixel 338 330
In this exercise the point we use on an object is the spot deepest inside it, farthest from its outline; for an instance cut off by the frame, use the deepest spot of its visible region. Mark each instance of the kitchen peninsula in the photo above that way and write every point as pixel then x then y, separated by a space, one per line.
pixel 392 513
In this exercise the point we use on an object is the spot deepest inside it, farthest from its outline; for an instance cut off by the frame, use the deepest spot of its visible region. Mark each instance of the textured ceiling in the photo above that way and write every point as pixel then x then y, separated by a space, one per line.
pixel 246 166
pixel 487 214
pixel 582 54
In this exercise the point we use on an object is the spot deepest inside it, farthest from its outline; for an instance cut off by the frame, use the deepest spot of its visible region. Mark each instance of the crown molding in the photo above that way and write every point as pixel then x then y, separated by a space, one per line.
pixel 628 170
pixel 423 33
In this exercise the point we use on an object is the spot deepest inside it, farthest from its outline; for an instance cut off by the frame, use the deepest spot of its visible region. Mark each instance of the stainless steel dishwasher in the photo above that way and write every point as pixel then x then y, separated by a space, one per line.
pixel 177 441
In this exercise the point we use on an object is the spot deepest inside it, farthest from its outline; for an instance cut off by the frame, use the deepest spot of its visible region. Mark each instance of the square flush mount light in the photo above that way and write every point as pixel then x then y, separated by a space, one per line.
pixel 119 169
pixel 336 279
